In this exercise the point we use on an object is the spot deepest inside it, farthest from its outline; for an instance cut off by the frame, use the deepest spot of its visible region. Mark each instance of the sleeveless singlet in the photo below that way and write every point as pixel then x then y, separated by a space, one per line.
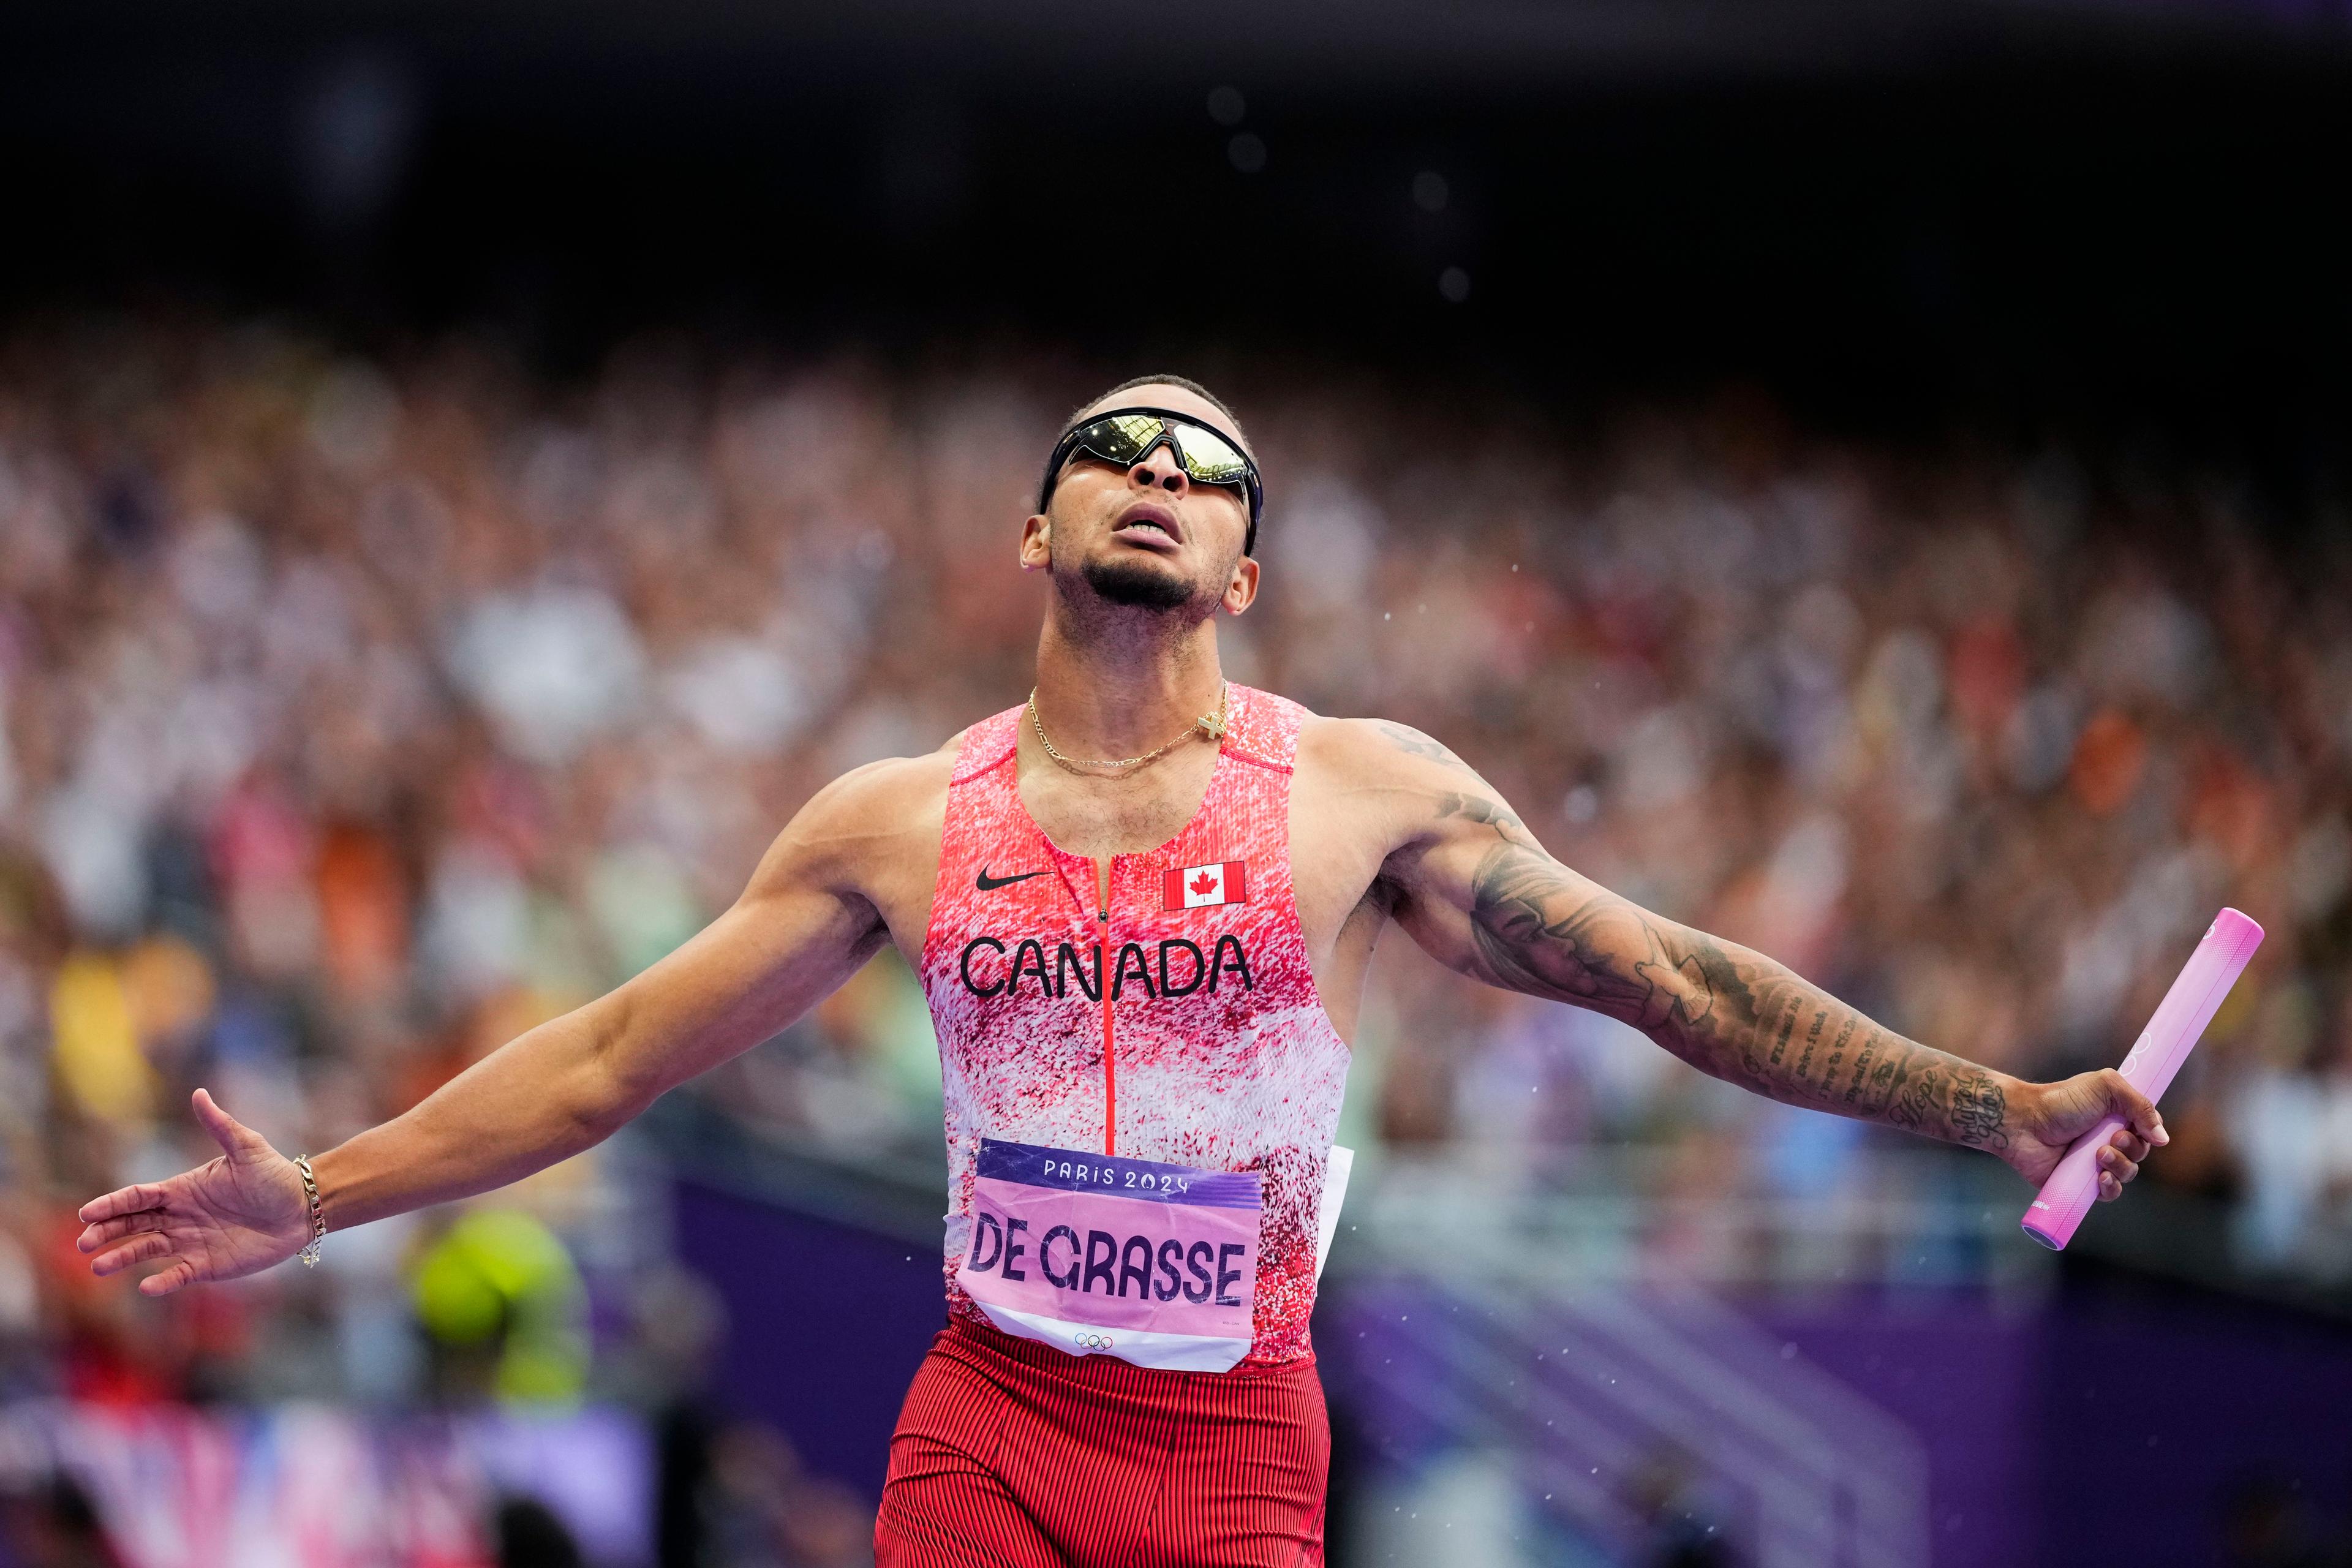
pixel 1179 1028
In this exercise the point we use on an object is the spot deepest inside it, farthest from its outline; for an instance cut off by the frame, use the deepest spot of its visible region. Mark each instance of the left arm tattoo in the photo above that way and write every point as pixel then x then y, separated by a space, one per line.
pixel 1725 1009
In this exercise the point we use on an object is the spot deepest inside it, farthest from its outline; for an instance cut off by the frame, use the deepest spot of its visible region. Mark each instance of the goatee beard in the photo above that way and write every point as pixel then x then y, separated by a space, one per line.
pixel 1132 583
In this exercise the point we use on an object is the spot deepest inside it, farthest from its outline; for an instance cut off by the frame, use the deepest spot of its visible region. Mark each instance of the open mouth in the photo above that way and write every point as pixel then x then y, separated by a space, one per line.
pixel 1149 526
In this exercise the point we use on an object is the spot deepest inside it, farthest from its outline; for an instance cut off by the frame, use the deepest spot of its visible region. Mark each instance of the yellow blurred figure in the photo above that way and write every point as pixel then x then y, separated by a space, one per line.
pixel 96 1037
pixel 170 990
pixel 500 1283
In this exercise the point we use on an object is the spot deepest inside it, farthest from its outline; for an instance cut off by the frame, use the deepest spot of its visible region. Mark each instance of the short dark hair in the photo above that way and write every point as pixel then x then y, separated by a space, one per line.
pixel 1186 381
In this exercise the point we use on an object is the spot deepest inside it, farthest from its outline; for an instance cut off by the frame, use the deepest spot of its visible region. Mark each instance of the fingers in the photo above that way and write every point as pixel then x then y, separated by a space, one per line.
pixel 165 1281
pixel 234 1136
pixel 122 1201
pixel 137 1250
pixel 2118 1159
pixel 2115 1169
pixel 2139 1110
pixel 108 1231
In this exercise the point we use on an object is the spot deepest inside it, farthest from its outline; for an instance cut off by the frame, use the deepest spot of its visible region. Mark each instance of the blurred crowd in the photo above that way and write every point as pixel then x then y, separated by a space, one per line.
pixel 360 712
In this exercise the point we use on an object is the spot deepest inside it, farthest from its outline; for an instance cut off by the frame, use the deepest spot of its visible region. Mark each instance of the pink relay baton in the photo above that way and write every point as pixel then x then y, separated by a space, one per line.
pixel 2155 1057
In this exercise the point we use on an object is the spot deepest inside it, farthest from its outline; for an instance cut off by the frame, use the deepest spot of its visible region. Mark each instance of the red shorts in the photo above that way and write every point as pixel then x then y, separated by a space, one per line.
pixel 1010 1454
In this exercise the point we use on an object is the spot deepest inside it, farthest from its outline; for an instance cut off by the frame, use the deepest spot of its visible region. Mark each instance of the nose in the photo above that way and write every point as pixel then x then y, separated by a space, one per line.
pixel 1159 469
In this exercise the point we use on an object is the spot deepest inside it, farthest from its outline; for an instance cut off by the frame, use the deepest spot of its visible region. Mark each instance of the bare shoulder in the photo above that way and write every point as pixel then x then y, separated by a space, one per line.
pixel 1356 753
pixel 1411 788
pixel 872 829
pixel 1389 783
pixel 892 789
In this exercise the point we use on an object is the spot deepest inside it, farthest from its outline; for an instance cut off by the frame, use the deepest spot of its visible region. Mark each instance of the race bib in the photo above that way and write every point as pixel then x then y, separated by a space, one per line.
pixel 1092 1253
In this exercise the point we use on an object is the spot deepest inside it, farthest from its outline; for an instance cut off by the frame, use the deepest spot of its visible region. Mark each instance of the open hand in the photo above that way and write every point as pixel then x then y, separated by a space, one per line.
pixel 228 1217
pixel 2044 1119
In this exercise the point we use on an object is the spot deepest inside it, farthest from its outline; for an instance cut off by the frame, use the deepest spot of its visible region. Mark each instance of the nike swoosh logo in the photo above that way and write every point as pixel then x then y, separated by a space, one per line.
pixel 989 884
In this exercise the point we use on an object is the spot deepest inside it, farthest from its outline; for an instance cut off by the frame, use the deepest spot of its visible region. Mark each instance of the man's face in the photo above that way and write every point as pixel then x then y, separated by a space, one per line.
pixel 1146 534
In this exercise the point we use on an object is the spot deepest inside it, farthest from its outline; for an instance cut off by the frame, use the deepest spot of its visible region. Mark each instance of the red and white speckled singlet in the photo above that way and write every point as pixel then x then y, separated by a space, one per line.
pixel 1207 1049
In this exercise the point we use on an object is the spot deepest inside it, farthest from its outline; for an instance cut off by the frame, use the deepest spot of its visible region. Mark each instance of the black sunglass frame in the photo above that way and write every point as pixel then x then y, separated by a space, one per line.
pixel 1074 441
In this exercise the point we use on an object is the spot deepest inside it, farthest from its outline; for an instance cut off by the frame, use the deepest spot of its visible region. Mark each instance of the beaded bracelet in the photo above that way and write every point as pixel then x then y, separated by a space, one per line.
pixel 309 1254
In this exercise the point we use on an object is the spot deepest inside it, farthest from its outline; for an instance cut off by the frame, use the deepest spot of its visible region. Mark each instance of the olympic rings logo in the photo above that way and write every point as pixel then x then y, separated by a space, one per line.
pixel 1094 1342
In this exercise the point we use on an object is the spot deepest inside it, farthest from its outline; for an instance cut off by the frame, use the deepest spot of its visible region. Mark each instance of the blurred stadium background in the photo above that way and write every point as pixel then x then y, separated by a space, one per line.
pixel 1868 482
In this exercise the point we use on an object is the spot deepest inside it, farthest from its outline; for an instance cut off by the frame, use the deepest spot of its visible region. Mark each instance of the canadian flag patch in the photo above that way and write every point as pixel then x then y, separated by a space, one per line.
pixel 1199 887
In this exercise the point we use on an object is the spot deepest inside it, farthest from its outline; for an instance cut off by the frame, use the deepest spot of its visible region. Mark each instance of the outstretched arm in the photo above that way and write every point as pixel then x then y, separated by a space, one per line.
pixel 1474 887
pixel 800 929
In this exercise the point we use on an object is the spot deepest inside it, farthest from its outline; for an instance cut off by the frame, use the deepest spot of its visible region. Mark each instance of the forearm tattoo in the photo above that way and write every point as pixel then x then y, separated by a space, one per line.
pixel 1723 1008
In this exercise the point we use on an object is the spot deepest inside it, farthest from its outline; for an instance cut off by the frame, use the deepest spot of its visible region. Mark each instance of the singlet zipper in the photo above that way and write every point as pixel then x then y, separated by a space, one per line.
pixel 1110 1068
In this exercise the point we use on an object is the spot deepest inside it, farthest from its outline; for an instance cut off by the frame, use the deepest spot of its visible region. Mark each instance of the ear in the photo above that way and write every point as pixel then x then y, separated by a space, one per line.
pixel 1036 543
pixel 1241 590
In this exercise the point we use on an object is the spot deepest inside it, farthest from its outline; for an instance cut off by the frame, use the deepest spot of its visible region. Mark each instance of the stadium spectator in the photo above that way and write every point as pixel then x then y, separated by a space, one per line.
pixel 359 714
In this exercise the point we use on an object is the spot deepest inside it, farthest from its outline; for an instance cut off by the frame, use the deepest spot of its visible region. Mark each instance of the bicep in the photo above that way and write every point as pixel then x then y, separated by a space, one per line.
pixel 1478 893
pixel 1467 882
pixel 795 936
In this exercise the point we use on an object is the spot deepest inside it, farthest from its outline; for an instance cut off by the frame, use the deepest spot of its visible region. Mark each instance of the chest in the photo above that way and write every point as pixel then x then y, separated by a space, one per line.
pixel 1032 851
pixel 1099 817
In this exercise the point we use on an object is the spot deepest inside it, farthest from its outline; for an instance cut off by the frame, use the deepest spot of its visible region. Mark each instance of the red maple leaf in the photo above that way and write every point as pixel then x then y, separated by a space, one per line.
pixel 1204 883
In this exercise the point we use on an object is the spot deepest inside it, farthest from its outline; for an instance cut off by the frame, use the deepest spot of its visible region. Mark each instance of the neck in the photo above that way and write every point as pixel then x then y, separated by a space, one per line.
pixel 1122 687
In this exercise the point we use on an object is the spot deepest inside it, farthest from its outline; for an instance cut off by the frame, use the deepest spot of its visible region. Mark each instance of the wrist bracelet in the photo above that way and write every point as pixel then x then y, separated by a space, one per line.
pixel 310 1253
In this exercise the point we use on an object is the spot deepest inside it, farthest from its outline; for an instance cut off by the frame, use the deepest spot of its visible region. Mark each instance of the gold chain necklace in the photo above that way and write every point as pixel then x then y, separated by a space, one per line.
pixel 1210 726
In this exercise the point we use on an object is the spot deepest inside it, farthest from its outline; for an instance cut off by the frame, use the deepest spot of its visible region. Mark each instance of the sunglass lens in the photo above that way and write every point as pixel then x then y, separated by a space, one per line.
pixel 1210 459
pixel 1122 437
